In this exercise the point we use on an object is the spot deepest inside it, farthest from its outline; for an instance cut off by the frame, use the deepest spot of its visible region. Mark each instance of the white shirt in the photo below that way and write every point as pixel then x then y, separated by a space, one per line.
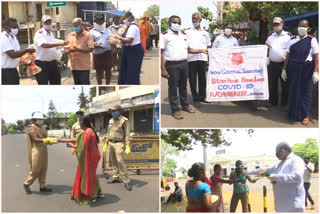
pixel 115 29
pixel 314 46
pixel 101 38
pixel 198 39
pixel 279 44
pixel 44 54
pixel 308 175
pixel 222 41
pixel 288 191
pixel 175 46
pixel 133 32
pixel 8 42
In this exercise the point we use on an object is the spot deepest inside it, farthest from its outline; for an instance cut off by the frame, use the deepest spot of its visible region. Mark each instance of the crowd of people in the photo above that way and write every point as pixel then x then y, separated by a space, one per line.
pixel 290 177
pixel 184 55
pixel 122 44
pixel 83 143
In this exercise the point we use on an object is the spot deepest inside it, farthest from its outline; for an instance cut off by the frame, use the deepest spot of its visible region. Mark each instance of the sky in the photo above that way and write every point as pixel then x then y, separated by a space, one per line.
pixel 185 9
pixel 19 102
pixel 261 142
pixel 137 7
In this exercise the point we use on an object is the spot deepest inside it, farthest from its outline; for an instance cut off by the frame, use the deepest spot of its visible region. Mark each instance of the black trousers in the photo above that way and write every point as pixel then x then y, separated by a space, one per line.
pixel 178 76
pixel 50 73
pixel 156 40
pixel 274 73
pixel 81 77
pixel 308 196
pixel 197 76
pixel 10 76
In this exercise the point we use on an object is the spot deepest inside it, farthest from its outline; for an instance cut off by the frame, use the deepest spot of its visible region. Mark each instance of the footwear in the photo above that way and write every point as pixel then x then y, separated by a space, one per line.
pixel 177 115
pixel 27 188
pixel 197 104
pixel 45 189
pixel 305 121
pixel 128 186
pixel 101 196
pixel 189 109
pixel 107 176
pixel 113 181
pixel 312 207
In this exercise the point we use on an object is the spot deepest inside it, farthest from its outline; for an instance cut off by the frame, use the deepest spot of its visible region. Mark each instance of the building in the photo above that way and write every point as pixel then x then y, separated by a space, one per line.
pixel 29 16
pixel 138 104
pixel 227 161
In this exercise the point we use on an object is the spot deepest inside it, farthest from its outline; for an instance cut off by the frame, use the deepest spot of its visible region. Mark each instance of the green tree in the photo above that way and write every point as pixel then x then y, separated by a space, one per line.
pixel 12 128
pixel 309 148
pixel 164 24
pixel 52 117
pixel 82 99
pixel 152 10
pixel 20 125
pixel 27 122
pixel 72 120
pixel 166 150
pixel 169 164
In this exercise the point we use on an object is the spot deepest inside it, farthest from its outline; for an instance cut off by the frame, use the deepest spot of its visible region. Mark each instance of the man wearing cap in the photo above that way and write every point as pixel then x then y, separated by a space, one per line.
pixel 37 153
pixel 277 43
pixel 118 138
pixel 198 44
pixel 45 45
pixel 102 52
pixel 10 52
pixel 82 44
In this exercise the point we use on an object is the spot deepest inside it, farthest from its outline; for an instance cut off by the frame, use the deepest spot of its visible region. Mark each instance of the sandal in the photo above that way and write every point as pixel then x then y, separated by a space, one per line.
pixel 177 115
pixel 305 121
pixel 189 109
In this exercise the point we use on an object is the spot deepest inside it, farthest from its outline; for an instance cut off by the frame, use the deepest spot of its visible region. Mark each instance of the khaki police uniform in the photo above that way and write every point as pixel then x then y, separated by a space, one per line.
pixel 38 156
pixel 75 129
pixel 118 139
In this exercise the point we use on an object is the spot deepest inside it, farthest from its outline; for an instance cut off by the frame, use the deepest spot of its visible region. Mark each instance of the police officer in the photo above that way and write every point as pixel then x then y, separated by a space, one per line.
pixel 119 141
pixel 198 44
pixel 10 52
pixel 37 153
pixel 174 66
pixel 225 40
pixel 277 43
pixel 45 45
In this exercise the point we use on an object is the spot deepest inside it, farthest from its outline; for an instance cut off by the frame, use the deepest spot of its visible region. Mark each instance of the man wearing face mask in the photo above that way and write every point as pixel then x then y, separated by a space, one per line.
pixel 10 52
pixel 118 138
pixel 287 179
pixel 198 44
pixel 301 68
pixel 102 52
pixel 277 43
pixel 174 66
pixel 82 44
pixel 225 40
pixel 37 153
pixel 45 45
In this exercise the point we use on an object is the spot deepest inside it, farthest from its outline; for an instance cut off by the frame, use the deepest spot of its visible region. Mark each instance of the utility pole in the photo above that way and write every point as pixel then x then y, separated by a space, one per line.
pixel 205 158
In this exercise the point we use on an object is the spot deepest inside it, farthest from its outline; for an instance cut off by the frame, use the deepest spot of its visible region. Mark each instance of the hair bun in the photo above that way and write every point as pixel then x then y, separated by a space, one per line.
pixel 190 173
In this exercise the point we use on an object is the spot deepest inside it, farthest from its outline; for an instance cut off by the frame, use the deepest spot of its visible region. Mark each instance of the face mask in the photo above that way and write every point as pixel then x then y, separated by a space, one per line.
pixel 47 27
pixel 228 31
pixel 40 122
pixel 126 22
pixel 175 27
pixel 98 27
pixel 116 26
pixel 277 28
pixel 196 24
pixel 14 31
pixel 77 29
pixel 115 114
pixel 303 31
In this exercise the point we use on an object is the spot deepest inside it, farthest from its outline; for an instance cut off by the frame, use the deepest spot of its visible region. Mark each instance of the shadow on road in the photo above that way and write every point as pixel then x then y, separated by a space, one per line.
pixel 56 189
pixel 138 183
pixel 108 199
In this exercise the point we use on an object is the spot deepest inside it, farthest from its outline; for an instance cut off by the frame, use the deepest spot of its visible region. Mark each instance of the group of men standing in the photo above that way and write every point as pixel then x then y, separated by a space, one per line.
pixel 185 55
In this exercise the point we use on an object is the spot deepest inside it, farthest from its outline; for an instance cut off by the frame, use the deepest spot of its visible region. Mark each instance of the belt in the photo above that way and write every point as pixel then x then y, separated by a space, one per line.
pixel 277 62
pixel 115 141
pixel 176 62
pixel 8 69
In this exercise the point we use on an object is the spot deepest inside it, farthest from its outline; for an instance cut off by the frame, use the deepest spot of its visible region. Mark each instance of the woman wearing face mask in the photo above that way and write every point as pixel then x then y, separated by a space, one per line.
pixel 86 187
pixel 10 52
pixel 301 68
pixel 132 52
pixel 198 192
pixel 102 52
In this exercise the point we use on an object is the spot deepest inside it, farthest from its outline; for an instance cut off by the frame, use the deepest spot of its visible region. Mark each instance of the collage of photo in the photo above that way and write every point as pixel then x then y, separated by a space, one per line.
pixel 152 106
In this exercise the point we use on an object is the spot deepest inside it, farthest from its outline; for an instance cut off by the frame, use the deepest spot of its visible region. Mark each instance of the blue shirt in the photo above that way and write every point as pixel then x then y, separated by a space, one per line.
pixel 101 38
pixel 197 193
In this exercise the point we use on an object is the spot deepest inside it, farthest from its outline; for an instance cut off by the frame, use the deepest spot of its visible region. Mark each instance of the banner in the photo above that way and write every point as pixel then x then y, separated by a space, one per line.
pixel 237 73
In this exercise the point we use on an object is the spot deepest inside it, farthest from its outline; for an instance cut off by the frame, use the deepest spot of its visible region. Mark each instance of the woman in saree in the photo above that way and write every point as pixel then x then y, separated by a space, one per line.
pixel 86 187
pixel 302 68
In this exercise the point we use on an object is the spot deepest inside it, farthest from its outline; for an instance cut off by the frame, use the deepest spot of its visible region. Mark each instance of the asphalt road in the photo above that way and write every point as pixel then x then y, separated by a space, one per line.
pixel 60 176
pixel 149 72
pixel 227 115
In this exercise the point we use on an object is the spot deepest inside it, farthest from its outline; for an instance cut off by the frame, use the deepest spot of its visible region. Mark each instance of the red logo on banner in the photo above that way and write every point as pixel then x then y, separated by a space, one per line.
pixel 237 58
